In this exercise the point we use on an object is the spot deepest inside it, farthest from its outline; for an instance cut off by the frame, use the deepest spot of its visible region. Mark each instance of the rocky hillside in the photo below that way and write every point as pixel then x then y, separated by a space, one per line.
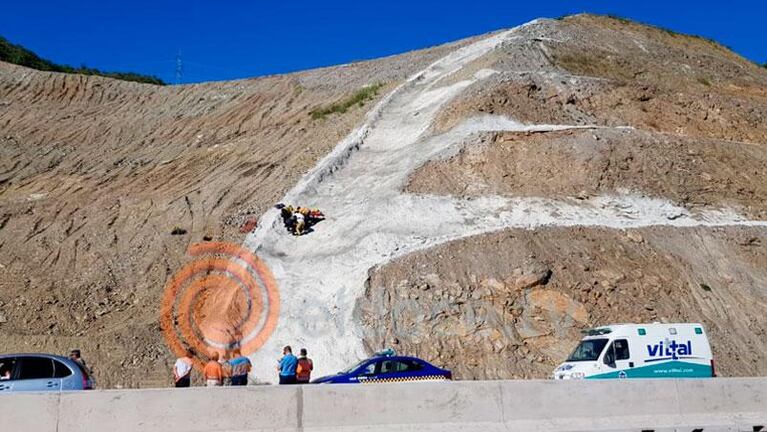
pixel 502 193
pixel 511 304
pixel 678 119
pixel 95 175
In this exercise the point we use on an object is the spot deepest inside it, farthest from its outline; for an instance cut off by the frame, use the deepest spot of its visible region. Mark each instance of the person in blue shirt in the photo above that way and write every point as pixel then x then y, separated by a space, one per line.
pixel 287 366
pixel 240 366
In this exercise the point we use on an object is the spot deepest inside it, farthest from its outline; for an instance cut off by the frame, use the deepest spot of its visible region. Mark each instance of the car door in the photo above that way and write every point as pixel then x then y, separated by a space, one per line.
pixel 367 372
pixel 398 370
pixel 389 370
pixel 618 358
pixel 8 372
pixel 36 374
pixel 622 356
pixel 69 380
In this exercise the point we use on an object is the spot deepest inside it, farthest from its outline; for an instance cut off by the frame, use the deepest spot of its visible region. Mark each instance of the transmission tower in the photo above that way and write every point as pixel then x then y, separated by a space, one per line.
pixel 179 68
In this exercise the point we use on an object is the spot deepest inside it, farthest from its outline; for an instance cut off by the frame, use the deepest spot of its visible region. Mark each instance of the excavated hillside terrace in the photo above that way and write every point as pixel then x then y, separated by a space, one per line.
pixel 374 218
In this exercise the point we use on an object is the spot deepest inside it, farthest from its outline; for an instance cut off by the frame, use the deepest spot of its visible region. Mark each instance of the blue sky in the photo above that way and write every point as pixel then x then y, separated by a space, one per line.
pixel 238 38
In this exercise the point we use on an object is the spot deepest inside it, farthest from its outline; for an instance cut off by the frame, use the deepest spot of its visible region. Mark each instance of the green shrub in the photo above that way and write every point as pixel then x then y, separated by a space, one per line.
pixel 359 98
pixel 21 56
pixel 620 18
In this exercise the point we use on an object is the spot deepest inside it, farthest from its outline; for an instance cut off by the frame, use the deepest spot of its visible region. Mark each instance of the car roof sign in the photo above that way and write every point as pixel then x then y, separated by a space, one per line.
pixel 388 352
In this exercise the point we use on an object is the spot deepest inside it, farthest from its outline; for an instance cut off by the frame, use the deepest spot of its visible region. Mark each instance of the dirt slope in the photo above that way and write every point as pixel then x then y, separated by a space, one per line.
pixel 694 172
pixel 683 121
pixel 561 131
pixel 698 110
pixel 96 173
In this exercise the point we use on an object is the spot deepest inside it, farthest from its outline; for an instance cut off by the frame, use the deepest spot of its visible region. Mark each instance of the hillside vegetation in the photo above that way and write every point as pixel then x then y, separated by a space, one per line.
pixel 19 55
pixel 359 98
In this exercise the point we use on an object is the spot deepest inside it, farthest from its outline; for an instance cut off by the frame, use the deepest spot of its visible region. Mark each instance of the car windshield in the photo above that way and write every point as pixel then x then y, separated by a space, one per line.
pixel 354 368
pixel 588 350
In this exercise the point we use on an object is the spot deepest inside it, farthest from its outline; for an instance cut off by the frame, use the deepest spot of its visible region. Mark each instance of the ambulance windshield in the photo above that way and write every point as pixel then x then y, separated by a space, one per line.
pixel 588 350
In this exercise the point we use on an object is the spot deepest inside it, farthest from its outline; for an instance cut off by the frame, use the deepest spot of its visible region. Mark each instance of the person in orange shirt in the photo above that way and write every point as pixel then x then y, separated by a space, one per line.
pixel 213 372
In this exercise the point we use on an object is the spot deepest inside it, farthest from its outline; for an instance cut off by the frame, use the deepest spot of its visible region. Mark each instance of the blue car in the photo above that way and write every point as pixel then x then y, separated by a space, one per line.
pixel 41 373
pixel 387 368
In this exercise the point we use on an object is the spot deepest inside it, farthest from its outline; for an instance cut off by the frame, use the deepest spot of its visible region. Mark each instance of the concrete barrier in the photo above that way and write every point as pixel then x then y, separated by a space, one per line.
pixel 196 409
pixel 621 405
pixel 29 412
pixel 421 406
pixel 636 404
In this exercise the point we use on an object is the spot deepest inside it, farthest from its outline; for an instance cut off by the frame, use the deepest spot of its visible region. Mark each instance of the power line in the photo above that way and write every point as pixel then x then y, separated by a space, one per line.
pixel 179 68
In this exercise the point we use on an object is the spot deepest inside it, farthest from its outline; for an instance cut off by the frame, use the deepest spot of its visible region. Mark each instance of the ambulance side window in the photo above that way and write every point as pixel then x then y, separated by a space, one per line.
pixel 621 349
pixel 609 358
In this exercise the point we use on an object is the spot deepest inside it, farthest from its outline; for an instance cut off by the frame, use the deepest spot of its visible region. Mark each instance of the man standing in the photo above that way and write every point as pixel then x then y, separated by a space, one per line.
pixel 304 368
pixel 182 370
pixel 240 367
pixel 226 369
pixel 74 355
pixel 213 372
pixel 298 222
pixel 287 366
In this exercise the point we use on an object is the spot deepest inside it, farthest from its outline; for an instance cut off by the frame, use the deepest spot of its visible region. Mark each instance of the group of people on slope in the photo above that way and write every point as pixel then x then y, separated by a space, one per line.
pixel 217 372
pixel 299 221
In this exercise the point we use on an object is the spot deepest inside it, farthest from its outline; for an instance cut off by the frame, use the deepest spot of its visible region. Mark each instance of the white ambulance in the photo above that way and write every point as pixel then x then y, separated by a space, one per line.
pixel 640 351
